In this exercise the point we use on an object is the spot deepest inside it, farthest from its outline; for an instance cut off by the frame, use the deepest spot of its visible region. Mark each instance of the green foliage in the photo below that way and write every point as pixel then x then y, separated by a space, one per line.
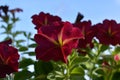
pixel 25 63
pixel 78 71
pixel 116 76
pixel 23 75
pixel 42 69
pixel 117 50
pixel 32 45
pixel 23 48
pixel 30 53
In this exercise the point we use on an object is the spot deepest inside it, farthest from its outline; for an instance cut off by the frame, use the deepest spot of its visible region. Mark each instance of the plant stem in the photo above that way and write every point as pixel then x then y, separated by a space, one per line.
pixel 109 75
pixel 68 72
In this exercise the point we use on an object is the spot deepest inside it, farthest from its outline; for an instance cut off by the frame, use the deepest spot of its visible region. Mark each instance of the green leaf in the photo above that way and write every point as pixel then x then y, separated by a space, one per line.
pixel 15 19
pixel 25 62
pixel 23 75
pixel 74 58
pixel 29 35
pixel 82 59
pixel 32 39
pixel 51 76
pixel 116 76
pixel 100 61
pixel 42 67
pixel 32 45
pixel 25 34
pixel 103 47
pixel 99 71
pixel 20 41
pixel 79 60
pixel 9 28
pixel 7 38
pixel 76 77
pixel 78 71
pixel 116 50
pixel 41 77
pixel 57 75
pixel 2 78
pixel 17 33
pixel 3 27
pixel 23 48
pixel 77 74
pixel 31 53
pixel 5 18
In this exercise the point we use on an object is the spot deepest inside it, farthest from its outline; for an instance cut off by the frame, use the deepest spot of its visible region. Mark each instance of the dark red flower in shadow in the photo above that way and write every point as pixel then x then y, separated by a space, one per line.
pixel 44 19
pixel 8 59
pixel 16 10
pixel 4 9
pixel 88 32
pixel 108 32
pixel 55 42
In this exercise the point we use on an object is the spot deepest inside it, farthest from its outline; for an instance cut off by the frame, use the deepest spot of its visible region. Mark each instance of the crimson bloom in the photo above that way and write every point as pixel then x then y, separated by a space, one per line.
pixel 88 32
pixel 44 19
pixel 108 32
pixel 55 42
pixel 8 59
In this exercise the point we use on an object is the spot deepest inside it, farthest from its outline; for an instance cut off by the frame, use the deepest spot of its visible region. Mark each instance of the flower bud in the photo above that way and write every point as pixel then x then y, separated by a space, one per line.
pixel 117 57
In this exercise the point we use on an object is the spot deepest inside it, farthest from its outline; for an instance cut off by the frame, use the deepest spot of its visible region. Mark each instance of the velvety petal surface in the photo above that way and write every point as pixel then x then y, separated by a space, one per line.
pixel 108 32
pixel 8 59
pixel 88 32
pixel 43 19
pixel 56 42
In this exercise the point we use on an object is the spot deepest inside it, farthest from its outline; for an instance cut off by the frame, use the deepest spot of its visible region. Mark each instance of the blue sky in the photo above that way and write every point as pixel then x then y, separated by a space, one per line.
pixel 94 10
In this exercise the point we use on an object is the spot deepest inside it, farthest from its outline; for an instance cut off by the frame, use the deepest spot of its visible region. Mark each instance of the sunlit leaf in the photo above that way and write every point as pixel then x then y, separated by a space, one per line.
pixel 116 50
pixel 78 71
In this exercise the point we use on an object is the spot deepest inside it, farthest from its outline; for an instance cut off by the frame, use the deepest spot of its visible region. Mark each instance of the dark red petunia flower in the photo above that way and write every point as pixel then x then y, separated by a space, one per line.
pixel 55 42
pixel 8 59
pixel 44 19
pixel 88 32
pixel 16 10
pixel 108 32
pixel 4 9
